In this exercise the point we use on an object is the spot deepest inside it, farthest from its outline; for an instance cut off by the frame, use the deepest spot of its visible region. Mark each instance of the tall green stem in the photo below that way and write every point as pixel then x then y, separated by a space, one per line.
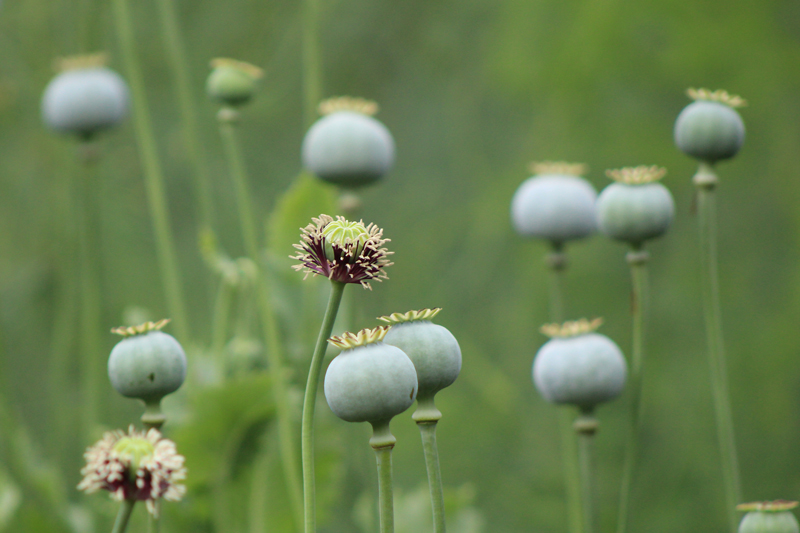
pixel 154 180
pixel 123 515
pixel 171 33
pixel 427 416
pixel 705 182
pixel 586 426
pixel 269 322
pixel 557 264
pixel 91 368
pixel 382 442
pixel 312 78
pixel 637 259
pixel 309 405
pixel 222 309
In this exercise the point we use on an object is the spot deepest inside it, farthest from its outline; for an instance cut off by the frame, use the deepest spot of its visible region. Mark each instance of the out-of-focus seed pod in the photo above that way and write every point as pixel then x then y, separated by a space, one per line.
pixel 232 82
pixel 555 204
pixel 710 129
pixel 578 366
pixel 85 98
pixel 348 147
pixel 769 517
pixel 636 208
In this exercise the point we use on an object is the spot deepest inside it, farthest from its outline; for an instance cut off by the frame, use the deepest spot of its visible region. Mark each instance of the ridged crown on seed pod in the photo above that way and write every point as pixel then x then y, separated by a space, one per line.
pixel 432 348
pixel 348 146
pixel 710 129
pixel 369 381
pixel 636 207
pixel 232 82
pixel 555 204
pixel 147 364
pixel 85 97
pixel 769 517
pixel 578 366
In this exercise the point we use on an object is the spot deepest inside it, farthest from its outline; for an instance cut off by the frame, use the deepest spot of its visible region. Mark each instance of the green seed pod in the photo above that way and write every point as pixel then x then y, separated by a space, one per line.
pixel 432 348
pixel 348 147
pixel 768 517
pixel 636 208
pixel 369 381
pixel 147 364
pixel 578 366
pixel 556 204
pixel 232 82
pixel 85 98
pixel 710 129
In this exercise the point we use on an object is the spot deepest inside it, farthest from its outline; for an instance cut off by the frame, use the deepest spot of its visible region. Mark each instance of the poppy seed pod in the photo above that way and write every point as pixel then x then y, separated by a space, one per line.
pixel 369 381
pixel 769 517
pixel 86 97
pixel 431 347
pixel 578 366
pixel 232 82
pixel 635 208
pixel 147 364
pixel 556 204
pixel 710 129
pixel 348 147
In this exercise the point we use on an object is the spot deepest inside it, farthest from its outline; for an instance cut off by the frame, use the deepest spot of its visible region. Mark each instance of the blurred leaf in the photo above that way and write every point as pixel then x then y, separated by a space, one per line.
pixel 10 498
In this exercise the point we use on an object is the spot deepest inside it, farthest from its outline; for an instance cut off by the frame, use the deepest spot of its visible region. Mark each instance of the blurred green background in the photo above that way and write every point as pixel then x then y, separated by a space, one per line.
pixel 472 91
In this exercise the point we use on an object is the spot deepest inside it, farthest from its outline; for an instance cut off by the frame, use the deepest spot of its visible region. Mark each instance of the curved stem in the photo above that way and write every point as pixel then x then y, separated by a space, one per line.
pixel 382 442
pixel 176 53
pixel 705 181
pixel 222 309
pixel 123 515
pixel 269 322
pixel 309 404
pixel 426 417
pixel 586 426
pixel 154 180
pixel 557 264
pixel 637 259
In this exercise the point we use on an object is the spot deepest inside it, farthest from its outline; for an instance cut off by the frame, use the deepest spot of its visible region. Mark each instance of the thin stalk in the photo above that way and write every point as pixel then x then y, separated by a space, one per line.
pixel 176 53
pixel 382 442
pixel 557 264
pixel 705 181
pixel 586 426
pixel 222 311
pixel 153 523
pixel 153 416
pixel 91 362
pixel 637 259
pixel 154 180
pixel 309 405
pixel 124 514
pixel 269 322
pixel 312 78
pixel 426 417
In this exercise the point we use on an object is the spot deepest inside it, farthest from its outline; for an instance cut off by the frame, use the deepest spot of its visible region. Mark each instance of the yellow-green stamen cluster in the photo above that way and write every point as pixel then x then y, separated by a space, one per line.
pixel 571 328
pixel 637 175
pixel 773 506
pixel 410 316
pixel 558 167
pixel 723 97
pixel 130 331
pixel 246 68
pixel 348 103
pixel 342 232
pixel 348 340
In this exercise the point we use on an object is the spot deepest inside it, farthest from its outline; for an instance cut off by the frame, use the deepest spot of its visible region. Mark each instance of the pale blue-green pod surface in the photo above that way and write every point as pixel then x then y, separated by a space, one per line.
pixel 349 149
pixel 433 350
pixel 147 366
pixel 709 131
pixel 584 370
pixel 769 522
pixel 635 213
pixel 85 101
pixel 370 383
pixel 557 208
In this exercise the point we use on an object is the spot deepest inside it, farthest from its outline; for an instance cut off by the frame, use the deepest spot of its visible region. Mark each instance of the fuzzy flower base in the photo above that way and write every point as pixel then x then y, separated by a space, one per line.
pixel 137 466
